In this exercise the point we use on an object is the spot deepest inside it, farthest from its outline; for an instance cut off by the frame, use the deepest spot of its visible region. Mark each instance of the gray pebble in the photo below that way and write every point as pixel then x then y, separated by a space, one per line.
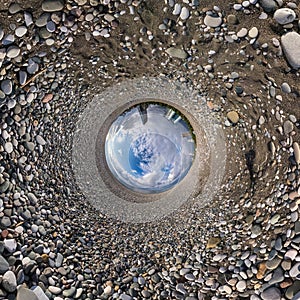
pixel 8 147
pixel 13 51
pixel 212 21
pixel 284 16
pixel 40 140
pixel 272 293
pixel 286 88
pixel 177 9
pixel 28 18
pixel 6 86
pixel 32 66
pixel 176 52
pixel 288 127
pixel 268 5
pixel 22 77
pixel 4 266
pixel 52 5
pixel 295 270
pixel 8 39
pixel 21 31
pixel 14 8
pixel 184 14
pixel 9 281
pixel 291 47
pixel 26 294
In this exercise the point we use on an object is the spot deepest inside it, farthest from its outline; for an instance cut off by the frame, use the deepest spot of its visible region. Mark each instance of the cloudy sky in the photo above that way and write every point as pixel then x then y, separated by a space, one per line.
pixel 149 157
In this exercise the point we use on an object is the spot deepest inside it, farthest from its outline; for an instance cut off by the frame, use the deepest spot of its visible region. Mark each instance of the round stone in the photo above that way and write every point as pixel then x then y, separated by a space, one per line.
pixel 8 147
pixel 176 52
pixel 291 47
pixel 184 14
pixel 13 51
pixel 233 116
pixel 21 31
pixel 212 21
pixel 52 5
pixel 6 86
pixel 253 33
pixel 272 293
pixel 9 281
pixel 284 16
pixel 150 148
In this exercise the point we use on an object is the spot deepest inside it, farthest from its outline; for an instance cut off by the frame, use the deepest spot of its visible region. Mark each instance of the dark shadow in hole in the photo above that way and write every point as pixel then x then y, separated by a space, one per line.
pixel 250 156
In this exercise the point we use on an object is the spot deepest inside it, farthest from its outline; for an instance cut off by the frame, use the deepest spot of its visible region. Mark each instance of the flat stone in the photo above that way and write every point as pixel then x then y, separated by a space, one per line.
pixel 4 186
pixel 286 88
pixel 40 293
pixel 13 51
pixel 242 32
pixel 8 39
pixel 291 254
pixel 69 292
pixel 272 293
pixel 9 281
pixel 273 264
pixel 212 21
pixel 4 266
pixel 284 16
pixel 22 77
pixel 40 140
pixel 253 33
pixel 14 8
pixel 21 31
pixel 52 5
pixel 290 43
pixel 288 127
pixel 8 147
pixel 296 149
pixel 295 270
pixel 54 290
pixel 26 294
pixel 6 86
pixel 268 5
pixel 233 116
pixel 184 14
pixel 212 242
pixel 176 52
pixel 177 9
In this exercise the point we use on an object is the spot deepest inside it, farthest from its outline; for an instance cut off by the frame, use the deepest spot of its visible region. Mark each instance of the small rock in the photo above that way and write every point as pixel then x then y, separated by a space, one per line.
pixel 22 77
pixel 184 14
pixel 8 147
pixel 9 281
pixel 253 33
pixel 26 294
pixel 295 270
pixel 40 293
pixel 271 293
pixel 268 5
pixel 176 52
pixel 14 8
pixel 21 31
pixel 6 86
pixel 233 116
pixel 291 254
pixel 40 140
pixel 213 242
pixel 177 9
pixel 52 5
pixel 286 88
pixel 288 127
pixel 291 47
pixel 13 51
pixel 284 16
pixel 212 22
pixel 4 266
pixel 296 152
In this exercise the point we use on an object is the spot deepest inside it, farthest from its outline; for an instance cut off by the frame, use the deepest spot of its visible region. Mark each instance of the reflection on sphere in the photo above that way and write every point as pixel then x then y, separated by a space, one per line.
pixel 150 148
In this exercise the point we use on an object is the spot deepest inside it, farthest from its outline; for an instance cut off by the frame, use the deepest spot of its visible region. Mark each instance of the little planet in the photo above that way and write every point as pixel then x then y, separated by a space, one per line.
pixel 150 148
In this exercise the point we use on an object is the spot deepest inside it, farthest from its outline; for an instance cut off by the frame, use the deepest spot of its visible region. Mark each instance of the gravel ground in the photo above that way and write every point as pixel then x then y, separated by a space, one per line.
pixel 241 58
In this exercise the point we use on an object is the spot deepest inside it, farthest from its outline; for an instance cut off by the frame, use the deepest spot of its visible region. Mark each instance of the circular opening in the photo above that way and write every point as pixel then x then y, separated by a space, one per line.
pixel 150 147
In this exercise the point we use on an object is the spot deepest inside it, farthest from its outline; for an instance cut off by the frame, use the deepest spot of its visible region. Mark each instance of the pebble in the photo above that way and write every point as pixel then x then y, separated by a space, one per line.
pixel 22 77
pixel 184 14
pixel 8 40
pixel 242 33
pixel 253 33
pixel 290 43
pixel 233 117
pixel 26 294
pixel 291 254
pixel 284 16
pixel 296 149
pixel 4 266
pixel 295 270
pixel 268 5
pixel 14 8
pixel 176 52
pixel 288 127
pixel 9 281
pixel 13 51
pixel 212 21
pixel 177 9
pixel 32 66
pixel 21 31
pixel 52 5
pixel 286 88
pixel 6 86
pixel 271 293
pixel 8 147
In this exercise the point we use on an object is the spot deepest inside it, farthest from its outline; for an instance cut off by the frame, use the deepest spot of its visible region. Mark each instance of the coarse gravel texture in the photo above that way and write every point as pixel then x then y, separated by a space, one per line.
pixel 56 56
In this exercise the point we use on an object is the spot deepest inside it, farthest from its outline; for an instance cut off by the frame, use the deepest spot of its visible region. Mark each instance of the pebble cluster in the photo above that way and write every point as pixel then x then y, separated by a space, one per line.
pixel 242 58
